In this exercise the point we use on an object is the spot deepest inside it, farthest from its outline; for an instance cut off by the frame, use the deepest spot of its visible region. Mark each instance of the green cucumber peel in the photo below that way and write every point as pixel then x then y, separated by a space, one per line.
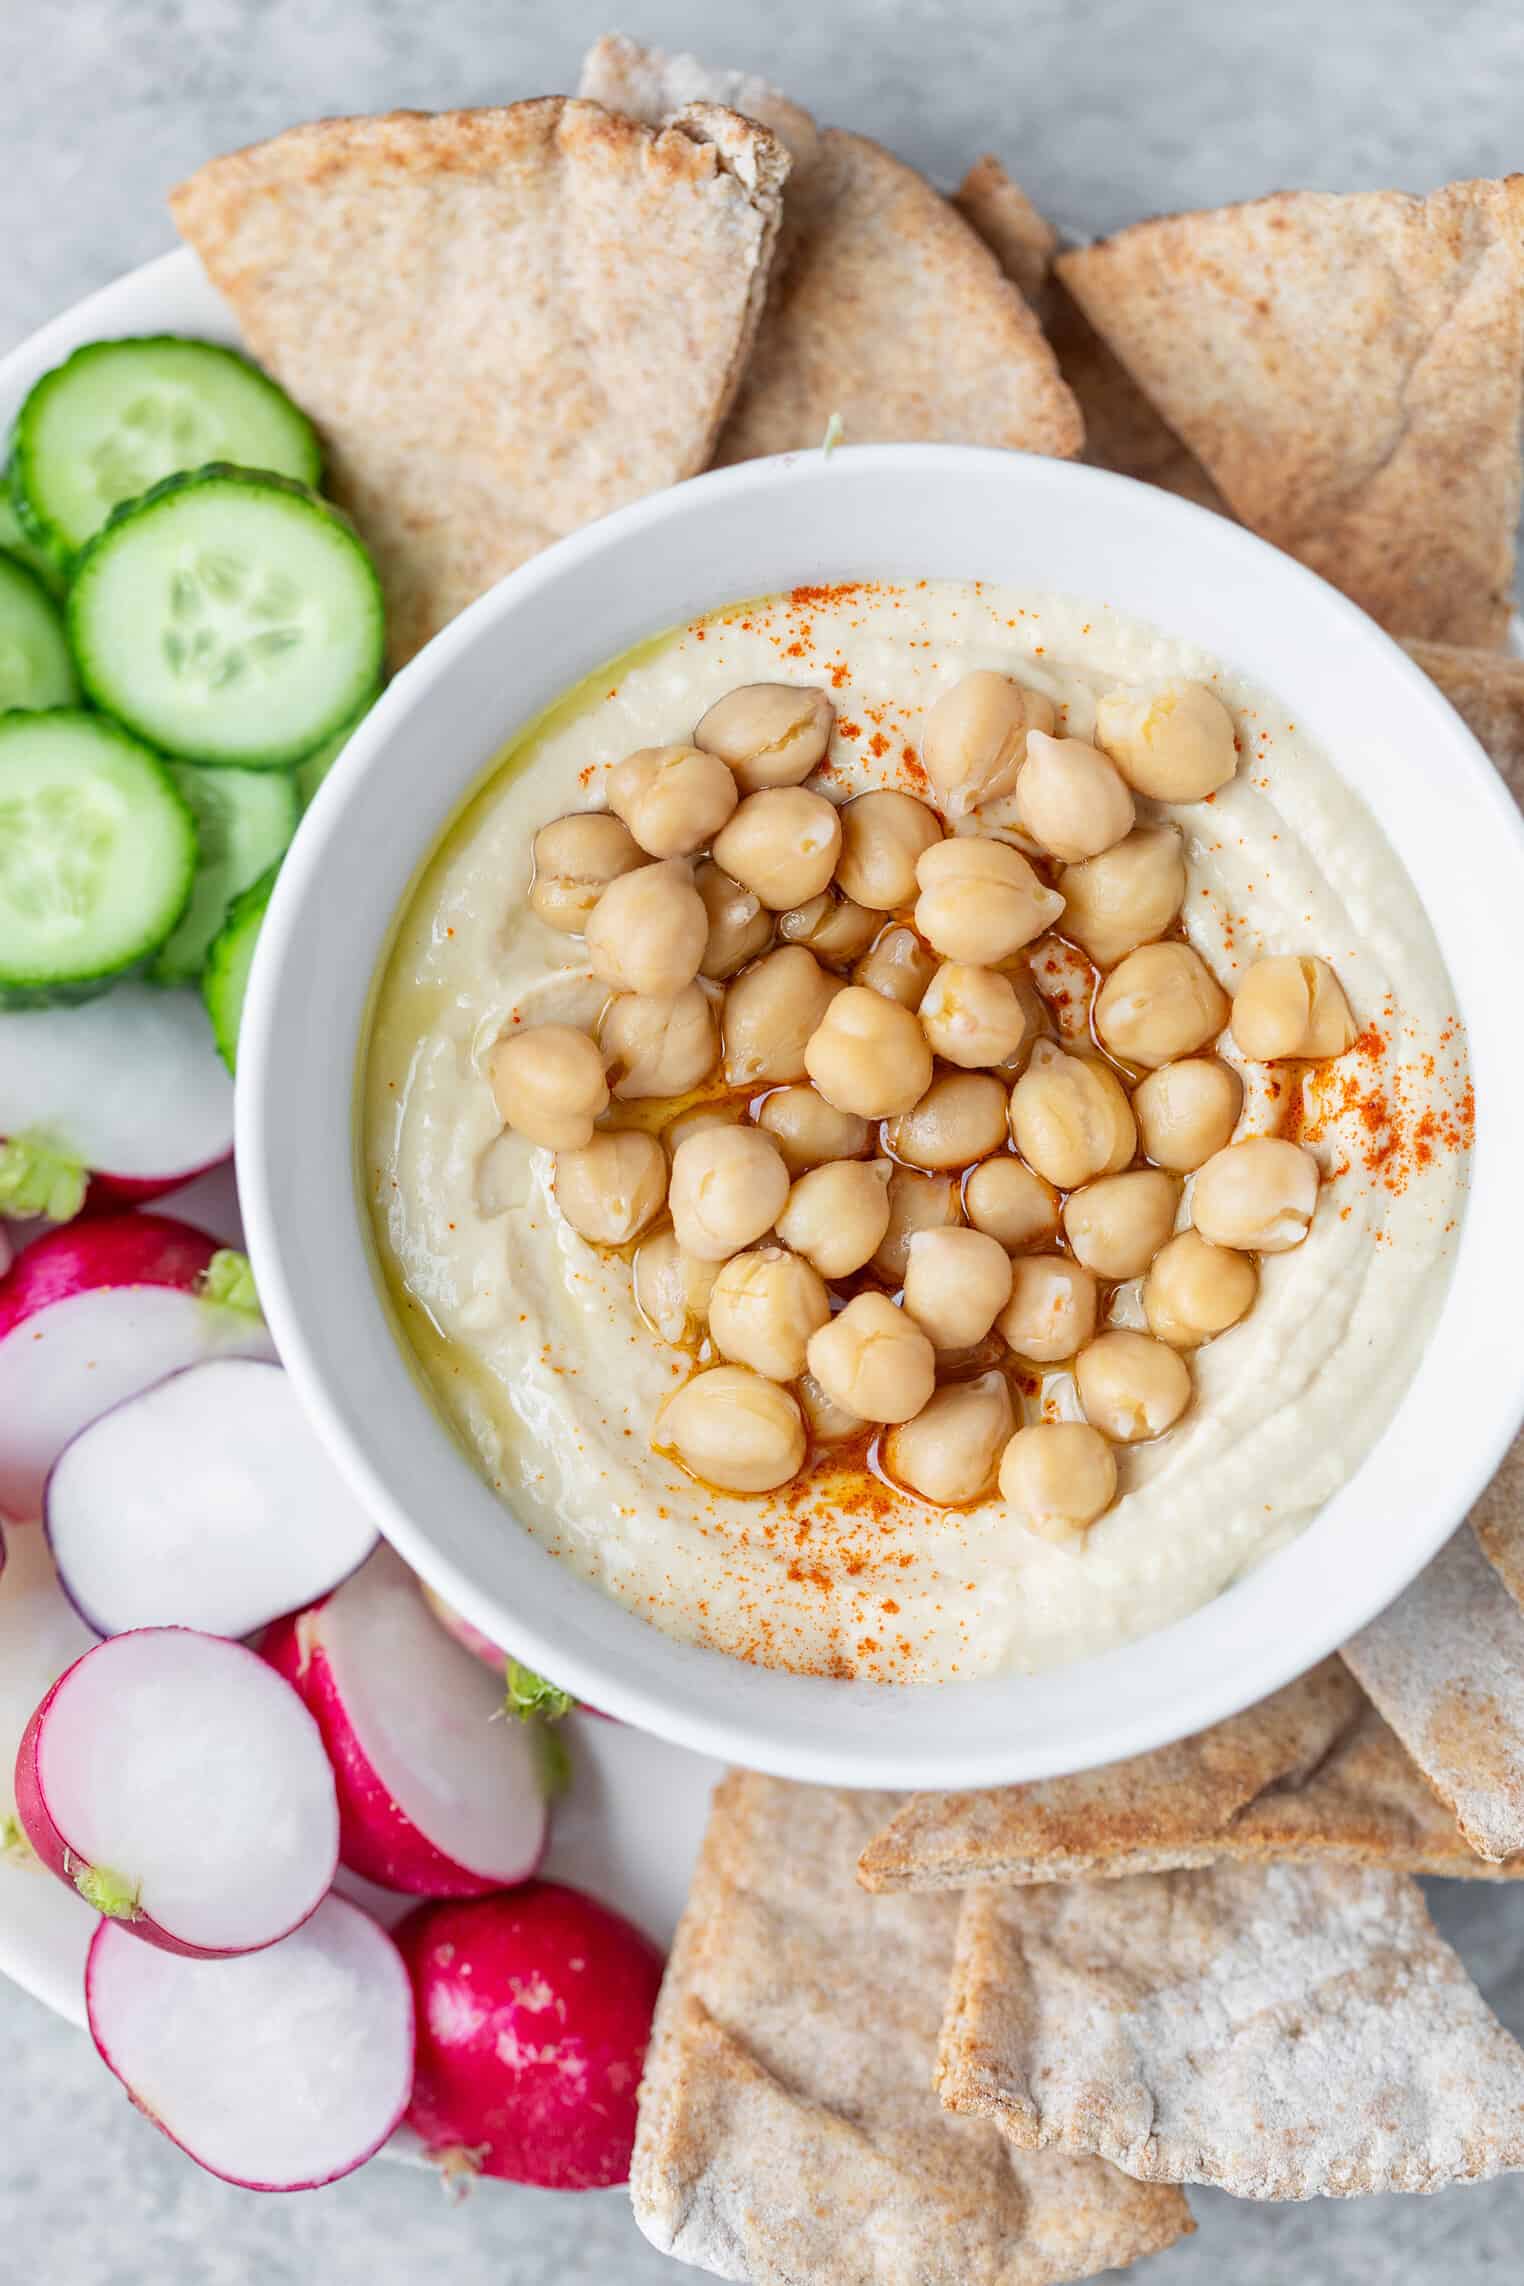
pixel 40 1177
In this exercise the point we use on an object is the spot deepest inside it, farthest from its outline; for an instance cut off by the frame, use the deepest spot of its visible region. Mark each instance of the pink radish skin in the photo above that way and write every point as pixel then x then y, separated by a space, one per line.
pixel 185 1733
pixel 91 1314
pixel 534 2011
pixel 280 2071
pixel 403 1673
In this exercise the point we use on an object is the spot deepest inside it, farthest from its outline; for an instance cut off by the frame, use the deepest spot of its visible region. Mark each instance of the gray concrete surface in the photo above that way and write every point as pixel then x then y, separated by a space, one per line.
pixel 1106 112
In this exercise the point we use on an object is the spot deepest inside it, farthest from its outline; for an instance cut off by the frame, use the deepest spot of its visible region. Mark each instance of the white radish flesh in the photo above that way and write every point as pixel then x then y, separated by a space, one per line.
pixel 183 1789
pixel 279 2071
pixel 40 1635
pixel 130 1084
pixel 204 1502
pixel 91 1315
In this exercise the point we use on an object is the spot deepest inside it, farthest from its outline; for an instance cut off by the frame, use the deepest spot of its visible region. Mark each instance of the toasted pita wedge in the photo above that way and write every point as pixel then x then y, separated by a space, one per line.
pixel 1445 1665
pixel 1164 1808
pixel 1498 1521
pixel 505 322
pixel 890 312
pixel 1350 373
pixel 1487 688
pixel 1123 430
pixel 788 2129
pixel 1022 241
pixel 1283 2032
pixel 653 86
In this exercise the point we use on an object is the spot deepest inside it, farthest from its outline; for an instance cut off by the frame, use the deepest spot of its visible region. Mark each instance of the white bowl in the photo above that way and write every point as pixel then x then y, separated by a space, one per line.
pixel 878 512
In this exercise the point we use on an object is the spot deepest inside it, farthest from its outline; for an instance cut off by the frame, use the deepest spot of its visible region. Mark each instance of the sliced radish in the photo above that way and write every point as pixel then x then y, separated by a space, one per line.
pixel 203 1502
pixel 129 1086
pixel 534 2011
pixel 94 1313
pixel 470 1638
pixel 40 1635
pixel 182 1789
pixel 436 1797
pixel 279 2071
pixel 526 1695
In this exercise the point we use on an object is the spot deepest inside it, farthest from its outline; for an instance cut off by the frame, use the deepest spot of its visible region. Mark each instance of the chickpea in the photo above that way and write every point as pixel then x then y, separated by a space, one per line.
pixel 672 1289
pixel 899 966
pixel 1070 1118
pixel 874 1360
pixel 1127 895
pixel 740 925
pixel 948 1452
pixel 764 1308
pixel 916 1202
pixel 1290 1006
pixel 783 844
pixel 673 798
pixel 974 740
pixel 548 1085
pixel 829 1423
pixel 1176 744
pixel 728 1186
pixel 1003 1197
pixel 1052 1309
pixel 658 1047
pixel 809 1131
pixel 699 1120
pixel 960 1118
pixel 1195 1290
pixel 1059 1476
pixel 980 900
pixel 1258 1195
pixel 956 1284
pixel 771 1012
pixel 771 734
pixel 837 1215
pixel 613 1188
pixel 1131 1386
pixel 1161 1002
pixel 732 1429
pixel 575 859
pixel 973 1016
pixel 1070 798
pixel 648 930
pixel 868 1055
pixel 1117 1225
pixel 832 928
pixel 882 835
pixel 1187 1110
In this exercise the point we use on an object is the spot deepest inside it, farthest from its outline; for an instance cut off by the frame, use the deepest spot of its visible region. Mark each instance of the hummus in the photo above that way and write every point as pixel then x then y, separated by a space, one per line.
pixel 531 1340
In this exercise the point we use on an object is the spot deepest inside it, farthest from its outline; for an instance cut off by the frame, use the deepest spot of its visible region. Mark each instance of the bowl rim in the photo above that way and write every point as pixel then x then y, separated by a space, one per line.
pixel 730 1716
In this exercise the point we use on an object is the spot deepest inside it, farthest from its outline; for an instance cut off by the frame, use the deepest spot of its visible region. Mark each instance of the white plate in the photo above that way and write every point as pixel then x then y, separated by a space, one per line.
pixel 629 1829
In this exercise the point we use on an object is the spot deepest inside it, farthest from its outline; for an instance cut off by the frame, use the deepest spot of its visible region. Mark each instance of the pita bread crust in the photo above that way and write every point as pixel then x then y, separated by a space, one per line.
pixel 1022 241
pixel 1486 688
pixel 1350 372
pixel 787 2125
pixel 505 322
pixel 1284 2032
pixel 1498 1517
pixel 890 312
pixel 1445 1665
pixel 1148 1809
pixel 652 85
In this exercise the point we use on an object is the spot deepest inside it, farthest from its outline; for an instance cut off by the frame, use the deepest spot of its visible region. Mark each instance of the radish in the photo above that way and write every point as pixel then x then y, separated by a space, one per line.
pixel 534 2011
pixel 279 2071
pixel 40 1635
pixel 182 1789
pixel 128 1087
pixel 526 1695
pixel 94 1313
pixel 471 1638
pixel 436 1797
pixel 203 1502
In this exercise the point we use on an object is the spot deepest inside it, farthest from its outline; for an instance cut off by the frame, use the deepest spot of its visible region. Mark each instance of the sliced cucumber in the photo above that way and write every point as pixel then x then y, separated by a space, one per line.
pixel 225 978
pixel 97 854
pixel 228 617
pixel 36 669
pixel 311 772
pixel 119 416
pixel 17 541
pixel 244 821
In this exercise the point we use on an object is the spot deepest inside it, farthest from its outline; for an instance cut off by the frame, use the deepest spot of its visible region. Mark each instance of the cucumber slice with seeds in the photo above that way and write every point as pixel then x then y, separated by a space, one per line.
pixel 119 416
pixel 225 978
pixel 228 617
pixel 244 822
pixel 18 542
pixel 97 853
pixel 36 669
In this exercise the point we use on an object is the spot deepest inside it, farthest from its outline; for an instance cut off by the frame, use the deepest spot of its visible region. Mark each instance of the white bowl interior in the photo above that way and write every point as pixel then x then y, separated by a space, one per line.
pixel 884 512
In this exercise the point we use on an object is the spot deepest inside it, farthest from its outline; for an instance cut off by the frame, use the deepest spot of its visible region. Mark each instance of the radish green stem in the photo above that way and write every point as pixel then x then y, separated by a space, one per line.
pixel 38 1176
pixel 552 1760
pixel 229 1280
pixel 107 1893
pixel 531 1698
pixel 15 1849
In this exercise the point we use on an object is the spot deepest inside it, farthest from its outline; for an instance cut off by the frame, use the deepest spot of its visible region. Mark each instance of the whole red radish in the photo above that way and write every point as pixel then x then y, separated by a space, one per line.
pixel 534 2010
